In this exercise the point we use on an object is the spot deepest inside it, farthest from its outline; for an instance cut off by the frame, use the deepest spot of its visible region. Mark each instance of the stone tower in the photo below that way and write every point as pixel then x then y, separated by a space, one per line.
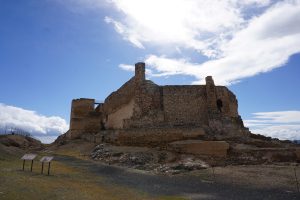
pixel 140 72
pixel 211 94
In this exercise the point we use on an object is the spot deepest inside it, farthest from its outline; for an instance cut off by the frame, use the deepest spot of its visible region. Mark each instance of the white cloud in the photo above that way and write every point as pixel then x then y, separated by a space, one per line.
pixel 38 125
pixel 127 67
pixel 284 125
pixel 131 68
pixel 185 23
pixel 121 29
pixel 279 117
pixel 239 43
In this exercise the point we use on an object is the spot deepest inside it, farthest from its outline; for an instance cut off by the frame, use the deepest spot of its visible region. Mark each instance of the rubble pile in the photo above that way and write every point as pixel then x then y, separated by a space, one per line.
pixel 150 160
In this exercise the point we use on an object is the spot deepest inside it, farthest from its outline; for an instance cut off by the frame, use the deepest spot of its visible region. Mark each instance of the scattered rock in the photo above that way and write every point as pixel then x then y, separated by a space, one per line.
pixel 155 161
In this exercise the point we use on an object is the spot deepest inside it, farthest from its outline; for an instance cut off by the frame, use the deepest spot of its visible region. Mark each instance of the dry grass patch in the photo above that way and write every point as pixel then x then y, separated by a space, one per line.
pixel 64 182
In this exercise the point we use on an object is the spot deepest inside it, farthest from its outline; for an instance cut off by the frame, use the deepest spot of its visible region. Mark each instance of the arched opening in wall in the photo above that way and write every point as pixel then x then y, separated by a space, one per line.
pixel 219 104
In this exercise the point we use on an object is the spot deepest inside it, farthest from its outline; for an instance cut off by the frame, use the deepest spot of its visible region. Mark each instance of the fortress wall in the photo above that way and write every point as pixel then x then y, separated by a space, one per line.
pixel 83 117
pixel 199 147
pixel 148 99
pixel 81 107
pixel 79 111
pixel 147 108
pixel 151 136
pixel 184 105
pixel 119 105
pixel 211 98
pixel 119 98
pixel 233 105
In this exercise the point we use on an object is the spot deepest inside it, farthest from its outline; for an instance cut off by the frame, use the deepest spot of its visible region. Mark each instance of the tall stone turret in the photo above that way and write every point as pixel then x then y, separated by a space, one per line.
pixel 79 111
pixel 139 72
pixel 84 118
pixel 211 94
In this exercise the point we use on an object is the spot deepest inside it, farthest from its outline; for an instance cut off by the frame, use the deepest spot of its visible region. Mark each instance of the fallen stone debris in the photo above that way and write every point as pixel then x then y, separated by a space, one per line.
pixel 147 159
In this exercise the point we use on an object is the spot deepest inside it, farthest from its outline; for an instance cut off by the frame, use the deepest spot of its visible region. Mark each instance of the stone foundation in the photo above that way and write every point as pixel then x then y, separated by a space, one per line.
pixel 151 137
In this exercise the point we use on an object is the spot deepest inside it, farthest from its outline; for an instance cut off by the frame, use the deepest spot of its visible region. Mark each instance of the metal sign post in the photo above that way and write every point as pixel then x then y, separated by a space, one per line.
pixel 28 157
pixel 46 159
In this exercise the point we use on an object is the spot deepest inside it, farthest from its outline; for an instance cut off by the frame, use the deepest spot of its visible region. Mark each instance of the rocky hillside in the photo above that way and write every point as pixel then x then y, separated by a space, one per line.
pixel 14 146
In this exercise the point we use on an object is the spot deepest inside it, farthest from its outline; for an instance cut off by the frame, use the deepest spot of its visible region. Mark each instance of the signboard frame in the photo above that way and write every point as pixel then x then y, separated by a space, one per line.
pixel 28 156
pixel 46 159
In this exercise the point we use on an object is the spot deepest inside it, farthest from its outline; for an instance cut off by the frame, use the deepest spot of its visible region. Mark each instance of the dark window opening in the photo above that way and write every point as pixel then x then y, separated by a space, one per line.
pixel 219 104
pixel 102 125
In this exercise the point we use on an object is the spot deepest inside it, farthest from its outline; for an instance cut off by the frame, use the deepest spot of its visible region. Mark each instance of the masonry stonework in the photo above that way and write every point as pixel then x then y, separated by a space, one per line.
pixel 83 117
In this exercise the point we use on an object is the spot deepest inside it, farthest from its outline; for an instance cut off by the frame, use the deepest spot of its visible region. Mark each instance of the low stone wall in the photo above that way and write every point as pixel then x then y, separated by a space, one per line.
pixel 107 136
pixel 144 137
pixel 156 136
pixel 199 147
pixel 261 155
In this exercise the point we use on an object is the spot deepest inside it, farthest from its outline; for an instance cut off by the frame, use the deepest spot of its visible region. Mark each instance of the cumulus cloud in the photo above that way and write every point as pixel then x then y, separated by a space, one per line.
pixel 239 38
pixel 184 23
pixel 127 67
pixel 42 127
pixel 284 125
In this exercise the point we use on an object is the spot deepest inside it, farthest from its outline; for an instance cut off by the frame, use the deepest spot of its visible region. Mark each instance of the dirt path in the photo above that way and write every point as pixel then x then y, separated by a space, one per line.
pixel 190 187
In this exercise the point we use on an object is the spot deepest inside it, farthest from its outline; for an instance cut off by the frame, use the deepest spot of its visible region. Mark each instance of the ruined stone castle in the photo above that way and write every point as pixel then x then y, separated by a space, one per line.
pixel 198 120
pixel 141 112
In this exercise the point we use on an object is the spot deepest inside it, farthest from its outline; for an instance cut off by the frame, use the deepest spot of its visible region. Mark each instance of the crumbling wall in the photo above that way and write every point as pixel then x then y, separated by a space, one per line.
pixel 116 119
pixel 151 136
pixel 81 107
pixel 229 102
pixel 79 111
pixel 148 111
pixel 118 106
pixel 120 97
pixel 199 147
pixel 147 98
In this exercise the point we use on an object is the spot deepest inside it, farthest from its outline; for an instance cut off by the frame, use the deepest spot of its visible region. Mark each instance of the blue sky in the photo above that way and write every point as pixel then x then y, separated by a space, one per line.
pixel 53 51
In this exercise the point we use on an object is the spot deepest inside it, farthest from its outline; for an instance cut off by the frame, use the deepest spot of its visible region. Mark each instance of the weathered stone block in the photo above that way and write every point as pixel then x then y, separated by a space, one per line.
pixel 199 147
pixel 297 151
pixel 155 136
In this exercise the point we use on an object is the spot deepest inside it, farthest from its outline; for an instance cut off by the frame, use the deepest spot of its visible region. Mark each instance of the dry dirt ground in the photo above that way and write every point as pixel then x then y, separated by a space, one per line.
pixel 75 176
pixel 238 182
